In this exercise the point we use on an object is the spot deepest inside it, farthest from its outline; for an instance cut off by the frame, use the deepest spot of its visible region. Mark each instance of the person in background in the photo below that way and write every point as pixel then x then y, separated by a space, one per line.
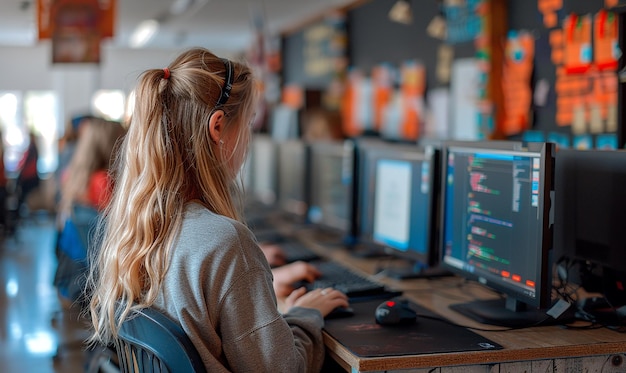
pixel 86 181
pixel 28 177
pixel 86 189
pixel 3 189
pixel 173 237
pixel 67 147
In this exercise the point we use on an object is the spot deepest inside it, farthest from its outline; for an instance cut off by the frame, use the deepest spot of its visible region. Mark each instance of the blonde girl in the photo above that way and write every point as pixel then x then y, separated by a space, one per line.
pixel 173 236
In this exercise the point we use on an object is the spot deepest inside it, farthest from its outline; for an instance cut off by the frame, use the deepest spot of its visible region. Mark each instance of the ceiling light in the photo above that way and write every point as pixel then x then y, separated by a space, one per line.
pixel 143 33
pixel 401 12
pixel 180 6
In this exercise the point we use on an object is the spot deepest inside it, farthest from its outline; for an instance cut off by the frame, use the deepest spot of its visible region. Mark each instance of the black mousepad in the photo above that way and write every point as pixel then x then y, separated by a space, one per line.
pixel 364 337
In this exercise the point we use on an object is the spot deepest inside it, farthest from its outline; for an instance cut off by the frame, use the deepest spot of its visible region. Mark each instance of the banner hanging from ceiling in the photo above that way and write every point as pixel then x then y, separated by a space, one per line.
pixel 76 28
pixel 106 15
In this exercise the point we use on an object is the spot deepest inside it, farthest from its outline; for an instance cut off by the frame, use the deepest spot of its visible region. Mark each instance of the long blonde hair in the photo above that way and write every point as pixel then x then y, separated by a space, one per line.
pixel 168 159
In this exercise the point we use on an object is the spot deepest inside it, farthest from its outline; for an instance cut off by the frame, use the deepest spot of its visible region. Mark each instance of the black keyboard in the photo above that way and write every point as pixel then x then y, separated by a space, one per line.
pixel 351 283
pixel 296 250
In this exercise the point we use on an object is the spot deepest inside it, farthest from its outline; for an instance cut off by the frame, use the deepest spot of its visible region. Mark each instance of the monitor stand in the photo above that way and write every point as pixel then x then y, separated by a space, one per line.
pixel 368 250
pixel 294 221
pixel 416 271
pixel 322 235
pixel 508 312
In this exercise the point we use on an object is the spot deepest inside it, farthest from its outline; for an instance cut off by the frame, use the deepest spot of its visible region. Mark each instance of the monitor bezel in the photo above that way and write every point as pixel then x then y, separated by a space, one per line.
pixel 546 188
pixel 265 194
pixel 286 151
pixel 363 191
pixel 345 149
pixel 376 152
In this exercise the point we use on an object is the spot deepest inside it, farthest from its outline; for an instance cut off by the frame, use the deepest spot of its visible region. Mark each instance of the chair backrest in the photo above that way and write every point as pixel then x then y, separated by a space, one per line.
pixel 149 341
pixel 85 218
pixel 74 243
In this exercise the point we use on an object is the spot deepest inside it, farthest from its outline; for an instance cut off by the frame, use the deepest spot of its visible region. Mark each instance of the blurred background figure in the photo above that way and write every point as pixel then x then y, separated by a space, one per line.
pixel 3 189
pixel 86 187
pixel 67 147
pixel 27 179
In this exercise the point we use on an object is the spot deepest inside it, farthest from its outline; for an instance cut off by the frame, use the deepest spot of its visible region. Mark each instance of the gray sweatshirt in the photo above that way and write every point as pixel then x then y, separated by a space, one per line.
pixel 219 288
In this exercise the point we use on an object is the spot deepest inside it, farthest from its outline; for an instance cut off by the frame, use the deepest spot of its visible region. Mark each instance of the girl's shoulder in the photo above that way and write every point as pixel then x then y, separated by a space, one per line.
pixel 215 240
pixel 207 226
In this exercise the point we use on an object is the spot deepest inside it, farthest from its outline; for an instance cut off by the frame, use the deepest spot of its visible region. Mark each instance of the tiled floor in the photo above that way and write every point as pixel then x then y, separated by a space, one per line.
pixel 36 333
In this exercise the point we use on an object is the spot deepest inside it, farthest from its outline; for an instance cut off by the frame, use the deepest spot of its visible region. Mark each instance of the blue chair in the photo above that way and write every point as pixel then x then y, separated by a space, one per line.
pixel 73 246
pixel 150 342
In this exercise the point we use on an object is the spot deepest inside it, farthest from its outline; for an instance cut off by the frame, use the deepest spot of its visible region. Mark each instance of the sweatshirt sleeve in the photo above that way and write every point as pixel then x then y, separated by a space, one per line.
pixel 264 340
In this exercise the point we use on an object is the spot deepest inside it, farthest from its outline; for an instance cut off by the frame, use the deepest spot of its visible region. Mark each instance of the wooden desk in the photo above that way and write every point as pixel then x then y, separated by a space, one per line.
pixel 539 349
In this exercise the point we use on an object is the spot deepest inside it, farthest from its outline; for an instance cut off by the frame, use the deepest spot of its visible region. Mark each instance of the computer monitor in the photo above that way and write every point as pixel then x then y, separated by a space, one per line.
pixel 331 183
pixel 284 122
pixel 400 191
pixel 590 218
pixel 263 163
pixel 363 189
pixel 496 228
pixel 293 184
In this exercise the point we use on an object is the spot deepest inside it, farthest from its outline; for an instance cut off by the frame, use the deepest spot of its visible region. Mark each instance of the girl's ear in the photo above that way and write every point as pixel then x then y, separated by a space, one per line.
pixel 216 124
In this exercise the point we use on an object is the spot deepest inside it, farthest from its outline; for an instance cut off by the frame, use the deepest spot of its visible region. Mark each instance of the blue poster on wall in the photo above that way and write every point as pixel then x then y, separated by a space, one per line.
pixel 562 140
pixel 463 20
pixel 606 141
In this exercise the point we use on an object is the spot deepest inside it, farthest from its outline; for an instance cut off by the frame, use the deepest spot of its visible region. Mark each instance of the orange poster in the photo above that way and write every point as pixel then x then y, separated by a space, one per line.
pixel 516 82
pixel 605 41
pixel 412 87
pixel 587 102
pixel 350 104
pixel 586 88
pixel 382 86
pixel 573 92
pixel 603 100
pixel 577 44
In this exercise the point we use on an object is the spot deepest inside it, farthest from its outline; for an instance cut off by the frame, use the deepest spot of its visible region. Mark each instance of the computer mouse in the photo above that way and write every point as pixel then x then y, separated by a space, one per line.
pixel 396 311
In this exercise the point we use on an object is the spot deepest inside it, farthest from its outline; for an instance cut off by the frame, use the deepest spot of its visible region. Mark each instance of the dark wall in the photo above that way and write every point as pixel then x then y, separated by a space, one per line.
pixel 374 38
pixel 294 70
pixel 319 52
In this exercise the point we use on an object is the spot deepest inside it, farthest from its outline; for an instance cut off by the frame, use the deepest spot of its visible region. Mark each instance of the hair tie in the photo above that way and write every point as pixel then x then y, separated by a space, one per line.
pixel 228 83
pixel 166 72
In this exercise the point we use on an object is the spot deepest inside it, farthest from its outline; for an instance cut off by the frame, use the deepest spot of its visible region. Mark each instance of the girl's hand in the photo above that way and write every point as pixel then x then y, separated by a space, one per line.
pixel 324 300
